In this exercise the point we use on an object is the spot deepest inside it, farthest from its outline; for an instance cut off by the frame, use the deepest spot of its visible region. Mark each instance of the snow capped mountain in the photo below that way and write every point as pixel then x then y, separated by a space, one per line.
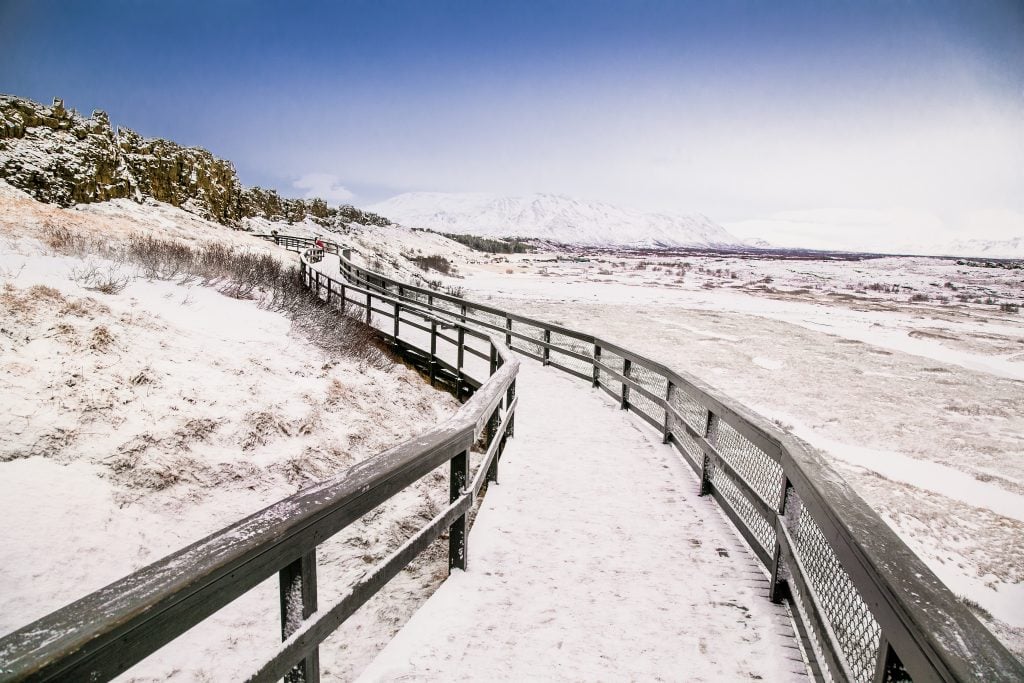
pixel 552 217
pixel 1011 248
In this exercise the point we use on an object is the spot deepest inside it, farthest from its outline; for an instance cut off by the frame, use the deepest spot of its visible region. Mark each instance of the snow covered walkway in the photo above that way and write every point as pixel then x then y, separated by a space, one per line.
pixel 595 559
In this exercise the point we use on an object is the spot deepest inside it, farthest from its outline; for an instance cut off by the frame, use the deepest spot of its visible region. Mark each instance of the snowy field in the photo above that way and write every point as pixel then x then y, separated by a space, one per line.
pixel 169 400
pixel 140 420
pixel 904 371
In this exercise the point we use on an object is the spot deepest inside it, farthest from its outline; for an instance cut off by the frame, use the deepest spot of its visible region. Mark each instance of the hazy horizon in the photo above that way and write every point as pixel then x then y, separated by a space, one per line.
pixel 867 125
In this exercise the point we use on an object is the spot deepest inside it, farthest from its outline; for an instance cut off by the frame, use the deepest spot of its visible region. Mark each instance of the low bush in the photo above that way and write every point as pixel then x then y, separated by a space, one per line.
pixel 490 246
pixel 245 274
pixel 434 262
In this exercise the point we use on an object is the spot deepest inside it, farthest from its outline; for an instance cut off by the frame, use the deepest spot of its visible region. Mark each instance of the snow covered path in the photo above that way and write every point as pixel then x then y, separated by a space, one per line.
pixel 595 559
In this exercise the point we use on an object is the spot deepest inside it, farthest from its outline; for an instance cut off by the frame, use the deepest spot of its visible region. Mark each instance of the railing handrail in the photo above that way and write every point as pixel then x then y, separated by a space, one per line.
pixel 925 630
pixel 106 631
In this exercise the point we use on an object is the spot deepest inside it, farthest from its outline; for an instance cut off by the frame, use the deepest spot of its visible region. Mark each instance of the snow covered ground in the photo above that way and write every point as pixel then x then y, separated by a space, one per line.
pixel 920 404
pixel 138 421
pixel 130 408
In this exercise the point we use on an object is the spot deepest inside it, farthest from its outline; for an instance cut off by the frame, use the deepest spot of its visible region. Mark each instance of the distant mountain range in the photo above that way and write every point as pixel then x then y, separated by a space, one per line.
pixel 1011 248
pixel 555 218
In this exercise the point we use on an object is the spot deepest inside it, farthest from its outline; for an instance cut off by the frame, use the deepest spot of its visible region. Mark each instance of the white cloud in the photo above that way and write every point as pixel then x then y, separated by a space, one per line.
pixel 324 186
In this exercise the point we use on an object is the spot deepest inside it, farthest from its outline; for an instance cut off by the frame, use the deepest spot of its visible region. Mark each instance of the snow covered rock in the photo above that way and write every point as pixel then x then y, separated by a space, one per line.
pixel 60 157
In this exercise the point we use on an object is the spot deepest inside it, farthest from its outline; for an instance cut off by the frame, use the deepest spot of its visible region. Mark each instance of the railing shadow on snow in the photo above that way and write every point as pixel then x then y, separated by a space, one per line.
pixel 866 607
pixel 106 632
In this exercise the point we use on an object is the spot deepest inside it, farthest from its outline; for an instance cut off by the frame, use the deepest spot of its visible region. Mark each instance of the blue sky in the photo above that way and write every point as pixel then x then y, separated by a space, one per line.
pixel 806 121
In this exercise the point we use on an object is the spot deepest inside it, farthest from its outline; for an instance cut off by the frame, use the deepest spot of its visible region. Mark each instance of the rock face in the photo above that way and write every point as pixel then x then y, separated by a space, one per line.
pixel 57 156
pixel 255 201
pixel 60 157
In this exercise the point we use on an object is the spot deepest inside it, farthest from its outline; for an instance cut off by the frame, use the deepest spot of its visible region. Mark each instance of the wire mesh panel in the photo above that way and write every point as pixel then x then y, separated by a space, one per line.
pixel 488 318
pixel 564 341
pixel 561 341
pixel 762 529
pixel 689 445
pixel 761 472
pixel 799 601
pixel 614 362
pixel 412 295
pixel 531 331
pixel 448 306
pixel 857 632
pixel 653 382
pixel 692 412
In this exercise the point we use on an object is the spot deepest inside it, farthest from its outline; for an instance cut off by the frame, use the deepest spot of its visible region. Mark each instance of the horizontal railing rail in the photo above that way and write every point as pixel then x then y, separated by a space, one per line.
pixel 106 632
pixel 867 608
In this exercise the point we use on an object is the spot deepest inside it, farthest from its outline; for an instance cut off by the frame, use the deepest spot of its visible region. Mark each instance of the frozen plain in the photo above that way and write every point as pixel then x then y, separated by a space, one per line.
pixel 919 404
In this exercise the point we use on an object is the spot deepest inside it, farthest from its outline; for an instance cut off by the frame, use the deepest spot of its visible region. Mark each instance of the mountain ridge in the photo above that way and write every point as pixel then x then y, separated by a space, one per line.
pixel 552 217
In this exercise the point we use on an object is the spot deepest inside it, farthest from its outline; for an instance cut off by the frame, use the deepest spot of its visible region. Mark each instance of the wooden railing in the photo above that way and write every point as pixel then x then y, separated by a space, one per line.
pixel 866 607
pixel 106 632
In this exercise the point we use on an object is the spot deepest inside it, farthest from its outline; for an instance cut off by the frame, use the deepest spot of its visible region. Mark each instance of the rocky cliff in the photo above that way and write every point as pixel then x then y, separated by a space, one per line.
pixel 61 157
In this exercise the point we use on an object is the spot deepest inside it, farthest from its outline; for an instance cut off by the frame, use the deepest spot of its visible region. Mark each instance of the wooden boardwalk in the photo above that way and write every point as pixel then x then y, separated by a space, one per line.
pixel 595 559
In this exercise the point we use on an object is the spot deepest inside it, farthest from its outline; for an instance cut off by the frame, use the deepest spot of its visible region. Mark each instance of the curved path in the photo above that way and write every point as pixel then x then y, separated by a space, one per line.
pixel 595 559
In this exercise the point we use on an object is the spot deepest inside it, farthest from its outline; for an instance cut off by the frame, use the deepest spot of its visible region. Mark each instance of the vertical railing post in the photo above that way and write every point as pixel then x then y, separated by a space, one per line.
pixel 492 428
pixel 433 349
pixel 777 589
pixel 666 428
pixel 494 360
pixel 298 601
pixel 888 666
pixel 397 319
pixel 462 317
pixel 627 365
pixel 457 531
pixel 597 370
pixel 460 360
pixel 705 478
pixel 510 415
pixel 547 347
pixel 508 333
pixel 330 287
